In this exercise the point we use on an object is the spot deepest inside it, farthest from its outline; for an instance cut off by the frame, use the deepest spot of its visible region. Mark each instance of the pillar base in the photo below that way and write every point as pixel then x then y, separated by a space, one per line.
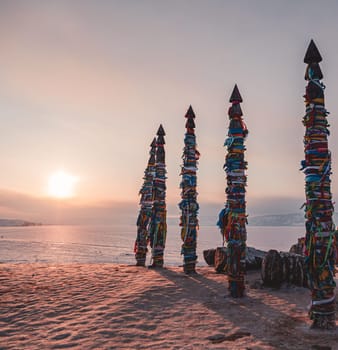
pixel 324 322
pixel 236 288
pixel 140 259
pixel 157 263
pixel 189 269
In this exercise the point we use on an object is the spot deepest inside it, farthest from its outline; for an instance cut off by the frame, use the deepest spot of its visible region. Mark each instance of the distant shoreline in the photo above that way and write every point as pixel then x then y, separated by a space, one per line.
pixel 17 223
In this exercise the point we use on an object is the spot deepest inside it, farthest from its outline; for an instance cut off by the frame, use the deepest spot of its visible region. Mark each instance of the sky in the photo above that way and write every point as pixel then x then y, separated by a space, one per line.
pixel 85 85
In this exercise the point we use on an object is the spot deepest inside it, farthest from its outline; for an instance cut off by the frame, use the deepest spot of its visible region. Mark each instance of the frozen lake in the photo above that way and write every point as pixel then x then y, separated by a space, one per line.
pixel 115 243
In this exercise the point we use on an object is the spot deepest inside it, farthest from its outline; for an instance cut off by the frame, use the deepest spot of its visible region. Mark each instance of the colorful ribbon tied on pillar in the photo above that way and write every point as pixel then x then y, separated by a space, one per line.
pixel 146 207
pixel 158 223
pixel 233 219
pixel 319 239
pixel 188 205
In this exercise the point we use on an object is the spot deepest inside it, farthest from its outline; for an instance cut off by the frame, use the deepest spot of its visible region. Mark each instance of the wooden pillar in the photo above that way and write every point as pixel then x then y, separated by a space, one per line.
pixel 146 207
pixel 319 238
pixel 158 224
pixel 232 219
pixel 188 204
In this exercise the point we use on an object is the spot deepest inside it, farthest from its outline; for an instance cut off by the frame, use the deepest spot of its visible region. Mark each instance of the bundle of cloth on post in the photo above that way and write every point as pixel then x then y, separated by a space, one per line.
pixel 320 246
pixel 233 219
pixel 188 204
pixel 158 223
pixel 146 207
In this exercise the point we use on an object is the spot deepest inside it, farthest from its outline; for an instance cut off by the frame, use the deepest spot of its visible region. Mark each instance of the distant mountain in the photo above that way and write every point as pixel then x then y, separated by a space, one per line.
pixel 16 222
pixel 277 220
pixel 281 220
pixel 293 219
pixel 263 220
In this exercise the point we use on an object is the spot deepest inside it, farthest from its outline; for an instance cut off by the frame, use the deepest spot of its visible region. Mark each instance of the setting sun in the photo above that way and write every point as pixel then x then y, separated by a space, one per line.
pixel 61 185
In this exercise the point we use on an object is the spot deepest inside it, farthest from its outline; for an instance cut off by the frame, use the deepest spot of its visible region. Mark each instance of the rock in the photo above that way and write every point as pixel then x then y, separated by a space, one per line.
pixel 209 256
pixel 254 258
pixel 298 248
pixel 221 259
pixel 219 338
pixel 218 258
pixel 272 269
pixel 283 267
pixel 293 269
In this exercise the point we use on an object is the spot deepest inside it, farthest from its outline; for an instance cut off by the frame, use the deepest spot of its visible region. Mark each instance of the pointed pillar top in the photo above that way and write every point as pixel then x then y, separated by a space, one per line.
pixel 160 136
pixel 153 143
pixel 190 124
pixel 235 96
pixel 312 54
pixel 160 131
pixel 190 113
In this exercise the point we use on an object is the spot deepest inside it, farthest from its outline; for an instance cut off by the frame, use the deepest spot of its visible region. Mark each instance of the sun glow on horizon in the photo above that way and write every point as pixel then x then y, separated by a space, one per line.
pixel 62 185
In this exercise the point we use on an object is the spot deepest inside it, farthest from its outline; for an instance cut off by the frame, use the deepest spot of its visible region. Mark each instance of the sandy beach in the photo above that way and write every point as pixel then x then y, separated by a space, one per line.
pixel 107 306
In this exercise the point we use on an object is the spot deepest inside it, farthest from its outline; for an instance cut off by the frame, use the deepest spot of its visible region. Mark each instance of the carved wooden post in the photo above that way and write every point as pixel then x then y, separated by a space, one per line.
pixel 232 219
pixel 158 224
pixel 146 203
pixel 319 238
pixel 188 204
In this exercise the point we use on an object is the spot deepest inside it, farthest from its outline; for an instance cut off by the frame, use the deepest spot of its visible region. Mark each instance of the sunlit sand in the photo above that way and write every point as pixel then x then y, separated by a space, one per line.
pixel 107 306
